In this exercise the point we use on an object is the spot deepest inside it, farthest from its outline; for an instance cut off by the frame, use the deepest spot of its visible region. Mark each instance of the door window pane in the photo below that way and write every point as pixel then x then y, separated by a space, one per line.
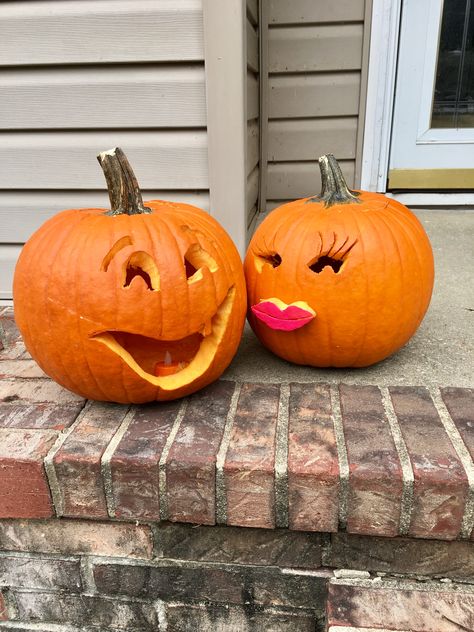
pixel 453 103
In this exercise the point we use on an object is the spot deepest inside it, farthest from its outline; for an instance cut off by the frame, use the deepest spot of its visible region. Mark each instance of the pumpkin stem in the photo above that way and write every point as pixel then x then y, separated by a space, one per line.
pixel 124 192
pixel 334 189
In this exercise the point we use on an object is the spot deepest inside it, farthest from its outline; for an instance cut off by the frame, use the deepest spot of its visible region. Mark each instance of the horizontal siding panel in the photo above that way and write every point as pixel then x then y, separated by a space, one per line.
pixel 292 180
pixel 103 97
pixel 23 212
pixel 252 145
pixel 307 95
pixel 252 47
pixel 315 48
pixel 252 96
pixel 87 31
pixel 311 11
pixel 307 139
pixel 67 160
pixel 252 192
pixel 8 258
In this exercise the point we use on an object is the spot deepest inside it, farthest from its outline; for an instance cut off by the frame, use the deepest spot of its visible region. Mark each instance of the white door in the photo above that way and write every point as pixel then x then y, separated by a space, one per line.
pixel 433 125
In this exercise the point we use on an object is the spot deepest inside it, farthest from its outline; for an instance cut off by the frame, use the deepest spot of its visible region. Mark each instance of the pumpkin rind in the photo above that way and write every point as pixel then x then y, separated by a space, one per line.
pixel 70 288
pixel 366 310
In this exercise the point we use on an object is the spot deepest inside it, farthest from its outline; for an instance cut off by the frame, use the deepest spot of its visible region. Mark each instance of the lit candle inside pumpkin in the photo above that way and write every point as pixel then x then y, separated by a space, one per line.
pixel 168 367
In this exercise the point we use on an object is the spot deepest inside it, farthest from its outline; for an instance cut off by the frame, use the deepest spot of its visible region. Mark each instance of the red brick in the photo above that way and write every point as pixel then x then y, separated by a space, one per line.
pixel 35 392
pixel 76 537
pixel 24 491
pixel 440 482
pixel 313 467
pixel 250 460
pixel 40 573
pixel 27 369
pixel 393 608
pixel 42 415
pixel 375 473
pixel 78 461
pixel 414 556
pixel 3 609
pixel 218 618
pixel 13 346
pixel 135 463
pixel 85 610
pixel 460 405
pixel 191 463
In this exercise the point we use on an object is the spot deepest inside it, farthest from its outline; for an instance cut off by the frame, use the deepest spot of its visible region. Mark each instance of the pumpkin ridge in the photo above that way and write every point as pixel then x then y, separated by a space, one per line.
pixel 66 236
pixel 421 294
pixel 44 231
pixel 80 248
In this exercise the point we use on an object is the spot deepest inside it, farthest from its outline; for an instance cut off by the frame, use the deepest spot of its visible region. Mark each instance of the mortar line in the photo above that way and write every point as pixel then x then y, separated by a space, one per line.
pixel 341 455
pixel 221 498
pixel 408 478
pixel 48 462
pixel 467 524
pixel 107 457
pixel 87 576
pixel 281 458
pixel 163 458
pixel 162 614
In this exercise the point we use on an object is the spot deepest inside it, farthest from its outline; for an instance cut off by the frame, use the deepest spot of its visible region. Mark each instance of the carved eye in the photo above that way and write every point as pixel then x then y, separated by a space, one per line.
pixel 141 265
pixel 272 258
pixel 334 258
pixel 194 260
pixel 320 263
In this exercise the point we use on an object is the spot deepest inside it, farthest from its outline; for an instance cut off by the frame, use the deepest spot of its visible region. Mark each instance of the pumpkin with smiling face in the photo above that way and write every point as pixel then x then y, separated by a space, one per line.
pixel 342 279
pixel 140 303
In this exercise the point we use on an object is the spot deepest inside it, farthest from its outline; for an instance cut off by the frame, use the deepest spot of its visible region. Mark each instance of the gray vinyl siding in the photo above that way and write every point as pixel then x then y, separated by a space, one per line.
pixel 315 62
pixel 81 76
pixel 253 122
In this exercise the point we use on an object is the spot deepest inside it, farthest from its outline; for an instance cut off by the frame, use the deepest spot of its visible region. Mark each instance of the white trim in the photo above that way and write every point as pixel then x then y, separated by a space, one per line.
pixel 384 37
pixel 434 199
pixel 430 44
pixel 225 58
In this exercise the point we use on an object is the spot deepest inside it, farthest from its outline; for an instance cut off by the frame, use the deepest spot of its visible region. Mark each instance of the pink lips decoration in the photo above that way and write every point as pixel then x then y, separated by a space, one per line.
pixel 278 315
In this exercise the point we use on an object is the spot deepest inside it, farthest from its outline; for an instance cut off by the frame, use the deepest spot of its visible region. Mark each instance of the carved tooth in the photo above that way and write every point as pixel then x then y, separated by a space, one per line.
pixel 206 329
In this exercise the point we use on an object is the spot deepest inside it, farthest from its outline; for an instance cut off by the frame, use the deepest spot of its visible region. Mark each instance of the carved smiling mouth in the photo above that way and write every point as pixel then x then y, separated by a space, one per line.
pixel 171 364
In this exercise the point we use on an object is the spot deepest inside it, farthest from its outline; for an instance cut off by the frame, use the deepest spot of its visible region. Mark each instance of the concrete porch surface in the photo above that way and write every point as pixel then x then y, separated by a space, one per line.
pixel 442 350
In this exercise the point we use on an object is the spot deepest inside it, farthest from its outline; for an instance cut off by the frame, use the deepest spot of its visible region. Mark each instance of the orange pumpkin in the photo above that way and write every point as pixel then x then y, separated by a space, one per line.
pixel 136 304
pixel 341 279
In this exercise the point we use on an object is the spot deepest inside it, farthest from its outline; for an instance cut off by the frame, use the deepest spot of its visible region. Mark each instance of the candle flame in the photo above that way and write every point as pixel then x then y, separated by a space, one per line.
pixel 168 359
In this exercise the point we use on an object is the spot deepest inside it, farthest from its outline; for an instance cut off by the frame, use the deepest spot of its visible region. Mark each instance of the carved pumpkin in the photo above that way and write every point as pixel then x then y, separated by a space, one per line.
pixel 341 279
pixel 136 304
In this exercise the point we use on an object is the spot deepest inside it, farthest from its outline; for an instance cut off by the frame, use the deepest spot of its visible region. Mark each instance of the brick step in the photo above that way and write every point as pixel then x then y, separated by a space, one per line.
pixel 393 461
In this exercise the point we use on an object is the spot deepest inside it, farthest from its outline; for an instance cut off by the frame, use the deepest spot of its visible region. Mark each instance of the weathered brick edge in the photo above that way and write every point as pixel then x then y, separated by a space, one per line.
pixel 372 461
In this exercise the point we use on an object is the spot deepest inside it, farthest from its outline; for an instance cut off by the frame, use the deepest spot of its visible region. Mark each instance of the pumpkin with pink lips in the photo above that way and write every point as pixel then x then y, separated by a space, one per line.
pixel 340 279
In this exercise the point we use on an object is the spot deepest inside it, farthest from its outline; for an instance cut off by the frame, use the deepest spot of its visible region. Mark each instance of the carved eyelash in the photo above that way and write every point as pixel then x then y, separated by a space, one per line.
pixel 327 258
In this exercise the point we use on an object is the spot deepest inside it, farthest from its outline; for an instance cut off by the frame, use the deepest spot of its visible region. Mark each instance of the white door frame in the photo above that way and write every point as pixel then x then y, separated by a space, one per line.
pixel 384 41
pixel 384 36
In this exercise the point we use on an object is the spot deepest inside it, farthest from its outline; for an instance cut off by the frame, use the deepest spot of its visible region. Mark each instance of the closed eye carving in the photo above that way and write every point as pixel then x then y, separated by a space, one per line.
pixel 272 258
pixel 141 265
pixel 194 260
